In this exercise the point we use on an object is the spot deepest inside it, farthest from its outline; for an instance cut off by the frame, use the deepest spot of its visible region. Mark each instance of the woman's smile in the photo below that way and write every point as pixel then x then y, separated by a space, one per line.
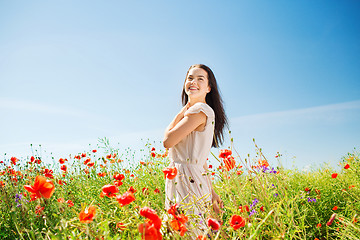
pixel 193 88
pixel 197 84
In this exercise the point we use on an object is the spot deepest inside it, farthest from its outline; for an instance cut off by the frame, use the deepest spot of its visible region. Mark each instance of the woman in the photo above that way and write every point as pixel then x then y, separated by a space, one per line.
pixel 195 129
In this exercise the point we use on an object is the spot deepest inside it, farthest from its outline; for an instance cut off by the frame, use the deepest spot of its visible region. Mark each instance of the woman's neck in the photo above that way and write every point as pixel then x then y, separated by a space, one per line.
pixel 192 102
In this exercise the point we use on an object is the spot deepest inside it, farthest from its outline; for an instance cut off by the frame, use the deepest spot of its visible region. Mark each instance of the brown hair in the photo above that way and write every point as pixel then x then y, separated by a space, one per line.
pixel 214 100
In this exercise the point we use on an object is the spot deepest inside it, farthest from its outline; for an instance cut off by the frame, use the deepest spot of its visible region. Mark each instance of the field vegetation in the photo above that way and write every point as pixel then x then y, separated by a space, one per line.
pixel 103 193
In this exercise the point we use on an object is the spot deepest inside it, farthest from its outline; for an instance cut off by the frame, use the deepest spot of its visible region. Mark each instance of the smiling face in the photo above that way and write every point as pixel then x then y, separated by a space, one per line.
pixel 196 85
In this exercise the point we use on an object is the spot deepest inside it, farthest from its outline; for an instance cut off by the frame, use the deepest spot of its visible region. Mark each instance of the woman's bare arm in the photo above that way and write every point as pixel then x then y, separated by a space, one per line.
pixel 216 200
pixel 182 126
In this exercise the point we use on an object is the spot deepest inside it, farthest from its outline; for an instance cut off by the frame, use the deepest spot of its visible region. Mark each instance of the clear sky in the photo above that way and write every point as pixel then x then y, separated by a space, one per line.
pixel 73 71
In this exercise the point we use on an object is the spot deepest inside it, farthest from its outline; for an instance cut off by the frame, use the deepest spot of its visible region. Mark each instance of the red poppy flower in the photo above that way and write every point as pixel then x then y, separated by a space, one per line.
pixel 318 225
pixel 42 187
pixel 213 223
pixel 61 161
pixel 307 189
pixel 244 208
pixel 94 151
pixel 108 156
pixel 210 166
pixel 334 175
pixel 39 209
pixel 83 155
pixel 170 172
pixel 151 228
pixel 145 191
pixel 109 191
pixel 153 154
pixel 125 199
pixel 120 226
pixel 61 200
pixel 157 190
pixel 178 226
pixel 119 177
pixel 153 149
pixel 263 162
pixel 149 232
pixel 173 210
pixel 32 159
pixel 70 203
pixel 229 163
pixel 33 197
pixel 63 167
pixel 87 215
pixel 48 173
pixel 14 160
pixel 151 215
pixel 347 166
pixel 262 209
pixel 91 164
pixel 224 153
pixel 201 237
pixel 335 208
pixel 118 183
pixel 87 161
pixel 237 222
pixel 131 189
pixel 178 223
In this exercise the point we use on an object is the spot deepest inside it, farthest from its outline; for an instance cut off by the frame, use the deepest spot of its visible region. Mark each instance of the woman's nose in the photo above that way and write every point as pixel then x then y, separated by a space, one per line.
pixel 193 81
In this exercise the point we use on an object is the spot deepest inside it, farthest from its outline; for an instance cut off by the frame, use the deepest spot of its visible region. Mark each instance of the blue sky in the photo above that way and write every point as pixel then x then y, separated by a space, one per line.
pixel 288 71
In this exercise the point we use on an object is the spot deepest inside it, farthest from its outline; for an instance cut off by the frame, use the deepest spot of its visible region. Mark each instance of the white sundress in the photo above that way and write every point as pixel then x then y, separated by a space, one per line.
pixel 191 188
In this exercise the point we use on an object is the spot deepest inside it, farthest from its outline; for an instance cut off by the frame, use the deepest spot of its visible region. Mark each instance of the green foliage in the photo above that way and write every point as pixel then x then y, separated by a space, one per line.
pixel 282 204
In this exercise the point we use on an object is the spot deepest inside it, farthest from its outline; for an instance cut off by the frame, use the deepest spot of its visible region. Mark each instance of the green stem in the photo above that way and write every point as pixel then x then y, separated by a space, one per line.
pixel 260 224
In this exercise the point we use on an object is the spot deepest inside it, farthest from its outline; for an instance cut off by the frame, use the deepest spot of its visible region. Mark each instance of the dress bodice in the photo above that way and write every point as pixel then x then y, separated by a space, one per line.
pixel 195 147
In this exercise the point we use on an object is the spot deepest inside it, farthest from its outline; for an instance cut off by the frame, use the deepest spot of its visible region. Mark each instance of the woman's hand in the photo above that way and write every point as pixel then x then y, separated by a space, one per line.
pixel 180 115
pixel 217 203
pixel 182 126
pixel 183 110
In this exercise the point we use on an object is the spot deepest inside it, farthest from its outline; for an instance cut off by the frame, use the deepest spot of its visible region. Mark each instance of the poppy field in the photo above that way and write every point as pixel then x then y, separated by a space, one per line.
pixel 103 193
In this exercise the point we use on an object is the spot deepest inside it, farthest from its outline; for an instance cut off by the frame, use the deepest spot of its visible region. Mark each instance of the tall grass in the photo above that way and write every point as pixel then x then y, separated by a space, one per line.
pixel 277 203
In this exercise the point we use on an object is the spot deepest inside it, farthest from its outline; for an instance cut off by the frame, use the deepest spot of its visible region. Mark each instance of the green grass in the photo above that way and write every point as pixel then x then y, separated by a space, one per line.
pixel 289 212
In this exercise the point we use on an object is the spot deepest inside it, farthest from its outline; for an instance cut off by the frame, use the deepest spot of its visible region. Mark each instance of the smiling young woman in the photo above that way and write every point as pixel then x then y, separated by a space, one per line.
pixel 195 129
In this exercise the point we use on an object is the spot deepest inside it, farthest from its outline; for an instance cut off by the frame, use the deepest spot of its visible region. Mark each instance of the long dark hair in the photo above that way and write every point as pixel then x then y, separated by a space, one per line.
pixel 214 100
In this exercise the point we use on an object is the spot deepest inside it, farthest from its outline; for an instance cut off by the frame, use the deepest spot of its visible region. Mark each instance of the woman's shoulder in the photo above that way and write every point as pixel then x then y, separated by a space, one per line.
pixel 201 107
